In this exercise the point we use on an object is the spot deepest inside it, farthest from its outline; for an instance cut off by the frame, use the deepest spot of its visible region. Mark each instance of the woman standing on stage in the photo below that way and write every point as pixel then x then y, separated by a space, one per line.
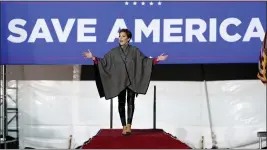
pixel 124 69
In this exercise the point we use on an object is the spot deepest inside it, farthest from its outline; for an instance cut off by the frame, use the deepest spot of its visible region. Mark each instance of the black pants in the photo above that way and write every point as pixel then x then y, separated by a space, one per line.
pixel 130 106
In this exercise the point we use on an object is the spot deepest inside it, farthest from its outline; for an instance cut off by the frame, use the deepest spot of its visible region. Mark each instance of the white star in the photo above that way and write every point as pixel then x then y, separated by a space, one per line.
pixel 126 3
pixel 151 3
pixel 143 3
pixel 134 3
pixel 159 3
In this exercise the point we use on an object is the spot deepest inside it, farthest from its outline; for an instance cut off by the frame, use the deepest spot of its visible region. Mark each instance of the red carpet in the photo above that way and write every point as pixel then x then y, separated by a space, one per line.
pixel 140 139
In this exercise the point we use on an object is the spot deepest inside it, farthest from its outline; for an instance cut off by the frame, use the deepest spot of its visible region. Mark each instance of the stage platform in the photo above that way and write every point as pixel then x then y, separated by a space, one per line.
pixel 140 139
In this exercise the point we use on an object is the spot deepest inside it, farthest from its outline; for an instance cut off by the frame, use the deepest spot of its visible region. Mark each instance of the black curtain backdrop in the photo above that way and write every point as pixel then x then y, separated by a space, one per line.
pixel 192 72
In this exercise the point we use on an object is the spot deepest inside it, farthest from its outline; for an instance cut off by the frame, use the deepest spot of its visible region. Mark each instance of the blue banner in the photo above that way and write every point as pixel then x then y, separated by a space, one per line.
pixel 189 32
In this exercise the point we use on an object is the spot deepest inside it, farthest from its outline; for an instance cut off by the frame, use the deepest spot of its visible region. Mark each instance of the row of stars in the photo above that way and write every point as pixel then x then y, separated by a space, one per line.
pixel 142 3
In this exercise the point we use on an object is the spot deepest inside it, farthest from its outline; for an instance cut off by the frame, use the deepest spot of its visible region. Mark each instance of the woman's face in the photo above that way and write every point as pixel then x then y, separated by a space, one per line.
pixel 123 38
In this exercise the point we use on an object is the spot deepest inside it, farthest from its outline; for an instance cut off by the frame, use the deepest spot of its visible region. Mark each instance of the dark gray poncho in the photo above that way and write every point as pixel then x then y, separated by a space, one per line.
pixel 120 69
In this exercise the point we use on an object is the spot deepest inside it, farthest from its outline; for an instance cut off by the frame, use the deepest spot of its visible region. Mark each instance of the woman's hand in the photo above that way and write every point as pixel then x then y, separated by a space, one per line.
pixel 162 57
pixel 88 55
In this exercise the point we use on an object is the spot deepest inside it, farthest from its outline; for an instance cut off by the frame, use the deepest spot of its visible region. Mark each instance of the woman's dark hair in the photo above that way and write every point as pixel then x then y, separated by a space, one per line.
pixel 128 32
